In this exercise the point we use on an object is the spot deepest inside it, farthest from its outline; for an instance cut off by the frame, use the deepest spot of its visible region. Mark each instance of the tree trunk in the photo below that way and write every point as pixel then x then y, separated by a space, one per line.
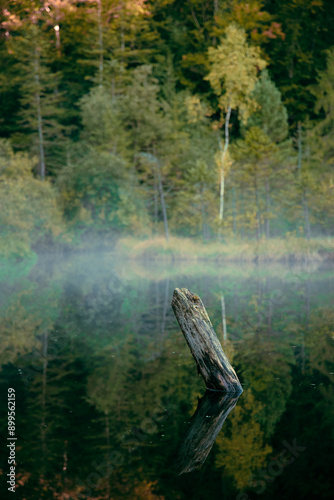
pixel 44 385
pixel 202 214
pixel 306 217
pixel 267 209
pixel 164 314
pixel 99 16
pixel 122 30
pixel 235 304
pixel 157 306
pixel 223 152
pixel 202 220
pixel 258 225
pixel 211 361
pixel 113 88
pixel 215 13
pixel 156 196
pixel 57 32
pixel 206 423
pixel 307 229
pixel 234 212
pixel 163 205
pixel 222 300
pixel 307 323
pixel 39 118
pixel 242 213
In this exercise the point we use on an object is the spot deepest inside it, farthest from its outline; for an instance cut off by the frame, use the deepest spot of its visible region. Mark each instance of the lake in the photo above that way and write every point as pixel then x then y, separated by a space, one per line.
pixel 106 388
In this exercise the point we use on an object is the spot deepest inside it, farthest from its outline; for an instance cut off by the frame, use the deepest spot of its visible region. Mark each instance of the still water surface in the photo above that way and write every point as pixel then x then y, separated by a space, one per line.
pixel 106 388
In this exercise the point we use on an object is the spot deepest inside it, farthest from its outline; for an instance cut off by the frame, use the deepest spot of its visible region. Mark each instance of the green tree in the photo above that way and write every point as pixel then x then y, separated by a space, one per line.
pixel 271 115
pixel 271 118
pixel 41 101
pixel 316 144
pixel 103 127
pixel 154 141
pixel 29 210
pixel 253 153
pixel 193 209
pixel 99 192
pixel 117 28
pixel 296 59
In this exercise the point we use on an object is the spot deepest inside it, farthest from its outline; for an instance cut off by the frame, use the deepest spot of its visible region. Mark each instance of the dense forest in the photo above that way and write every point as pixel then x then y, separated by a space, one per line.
pixel 208 119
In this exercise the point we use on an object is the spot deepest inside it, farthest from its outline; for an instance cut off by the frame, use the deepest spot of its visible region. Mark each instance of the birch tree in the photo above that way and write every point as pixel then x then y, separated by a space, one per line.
pixel 233 75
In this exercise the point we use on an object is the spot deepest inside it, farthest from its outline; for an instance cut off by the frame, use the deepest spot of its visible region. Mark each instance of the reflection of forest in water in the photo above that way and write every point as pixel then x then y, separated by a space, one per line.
pixel 106 385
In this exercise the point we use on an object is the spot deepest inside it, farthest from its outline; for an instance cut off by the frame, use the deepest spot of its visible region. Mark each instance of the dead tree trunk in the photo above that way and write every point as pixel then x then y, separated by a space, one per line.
pixel 203 342
pixel 205 425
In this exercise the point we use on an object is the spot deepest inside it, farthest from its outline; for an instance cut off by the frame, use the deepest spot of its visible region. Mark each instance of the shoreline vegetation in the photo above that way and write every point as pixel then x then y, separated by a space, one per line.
pixel 290 249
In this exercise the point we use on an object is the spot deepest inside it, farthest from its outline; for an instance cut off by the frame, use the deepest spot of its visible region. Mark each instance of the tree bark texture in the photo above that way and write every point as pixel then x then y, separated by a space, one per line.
pixel 211 361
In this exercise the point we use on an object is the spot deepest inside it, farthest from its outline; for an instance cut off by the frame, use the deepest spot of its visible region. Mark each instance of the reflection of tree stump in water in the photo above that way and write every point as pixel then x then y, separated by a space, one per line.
pixel 211 361
pixel 211 413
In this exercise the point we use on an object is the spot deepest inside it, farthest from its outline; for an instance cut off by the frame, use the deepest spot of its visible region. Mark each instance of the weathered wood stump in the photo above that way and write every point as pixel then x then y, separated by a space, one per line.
pixel 211 361
pixel 208 419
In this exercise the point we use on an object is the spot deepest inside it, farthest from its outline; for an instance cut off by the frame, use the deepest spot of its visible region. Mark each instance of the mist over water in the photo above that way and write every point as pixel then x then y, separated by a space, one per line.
pixel 106 386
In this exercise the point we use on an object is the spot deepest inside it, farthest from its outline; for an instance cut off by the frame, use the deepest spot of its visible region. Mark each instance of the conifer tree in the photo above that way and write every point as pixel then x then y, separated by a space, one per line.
pixel 116 31
pixel 41 109
pixel 271 115
pixel 152 134
pixel 195 194
pixel 272 118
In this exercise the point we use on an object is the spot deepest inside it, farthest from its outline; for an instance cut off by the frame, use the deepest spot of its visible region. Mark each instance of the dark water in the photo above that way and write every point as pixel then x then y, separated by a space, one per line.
pixel 105 386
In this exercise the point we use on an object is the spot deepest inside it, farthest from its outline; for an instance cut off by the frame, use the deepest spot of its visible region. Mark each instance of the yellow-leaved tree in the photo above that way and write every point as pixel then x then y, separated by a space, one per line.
pixel 234 72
